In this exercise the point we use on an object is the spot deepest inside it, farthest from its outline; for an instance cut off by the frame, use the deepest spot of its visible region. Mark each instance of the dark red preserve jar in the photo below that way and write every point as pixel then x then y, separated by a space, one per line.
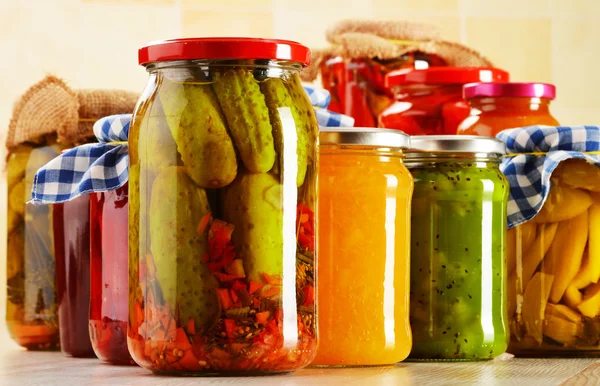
pixel 429 101
pixel 109 276
pixel 71 225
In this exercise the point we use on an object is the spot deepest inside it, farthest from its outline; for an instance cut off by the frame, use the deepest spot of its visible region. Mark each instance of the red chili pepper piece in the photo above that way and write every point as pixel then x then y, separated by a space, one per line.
pixel 309 295
pixel 224 297
pixel 204 223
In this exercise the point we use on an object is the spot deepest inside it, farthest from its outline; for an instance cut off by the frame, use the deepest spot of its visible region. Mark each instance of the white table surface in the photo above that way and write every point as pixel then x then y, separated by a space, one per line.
pixel 22 368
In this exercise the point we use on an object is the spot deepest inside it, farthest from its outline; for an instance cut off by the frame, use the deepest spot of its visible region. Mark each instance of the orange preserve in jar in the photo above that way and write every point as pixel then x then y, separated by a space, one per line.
pixel 499 106
pixel 364 238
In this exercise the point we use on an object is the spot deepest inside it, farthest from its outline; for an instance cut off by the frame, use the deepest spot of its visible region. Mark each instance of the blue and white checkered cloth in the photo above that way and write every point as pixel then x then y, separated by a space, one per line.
pixel 320 99
pixel 103 166
pixel 94 167
pixel 529 174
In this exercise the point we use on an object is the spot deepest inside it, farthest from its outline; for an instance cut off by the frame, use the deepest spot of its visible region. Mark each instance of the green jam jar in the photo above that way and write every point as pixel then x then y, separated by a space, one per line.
pixel 458 265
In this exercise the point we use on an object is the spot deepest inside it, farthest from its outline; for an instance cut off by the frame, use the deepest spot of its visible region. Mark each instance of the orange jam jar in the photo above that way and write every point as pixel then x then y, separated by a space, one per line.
pixel 364 239
pixel 499 106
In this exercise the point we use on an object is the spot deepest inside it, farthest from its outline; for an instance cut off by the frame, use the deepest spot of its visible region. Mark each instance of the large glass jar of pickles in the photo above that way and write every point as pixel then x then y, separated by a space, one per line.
pixel 458 298
pixel 31 308
pixel 222 200
pixel 364 199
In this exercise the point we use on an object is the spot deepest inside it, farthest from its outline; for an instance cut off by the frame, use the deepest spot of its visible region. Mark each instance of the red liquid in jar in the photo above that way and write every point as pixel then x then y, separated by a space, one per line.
pixel 109 276
pixel 71 224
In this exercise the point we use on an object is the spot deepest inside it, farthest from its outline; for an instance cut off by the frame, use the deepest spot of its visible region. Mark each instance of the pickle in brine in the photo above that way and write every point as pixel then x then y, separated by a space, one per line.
pixel 306 112
pixel 253 204
pixel 177 205
pixel 278 99
pixel 198 127
pixel 247 115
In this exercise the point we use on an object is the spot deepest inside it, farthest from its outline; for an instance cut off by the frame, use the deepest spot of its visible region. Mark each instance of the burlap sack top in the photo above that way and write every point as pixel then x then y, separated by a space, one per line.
pixel 50 106
pixel 354 39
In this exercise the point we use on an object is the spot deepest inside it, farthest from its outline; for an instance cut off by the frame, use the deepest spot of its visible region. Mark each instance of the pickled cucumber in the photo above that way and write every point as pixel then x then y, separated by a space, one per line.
pixel 277 97
pixel 253 203
pixel 307 114
pixel 157 148
pixel 17 199
pixel 15 250
pixel 12 220
pixel 198 126
pixel 177 205
pixel 137 234
pixel 247 115
pixel 16 164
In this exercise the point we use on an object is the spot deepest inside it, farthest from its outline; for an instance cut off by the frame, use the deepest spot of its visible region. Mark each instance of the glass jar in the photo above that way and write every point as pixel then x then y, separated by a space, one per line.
pixel 554 269
pixel 499 106
pixel 364 225
pixel 429 101
pixel 357 86
pixel 109 276
pixel 222 201
pixel 31 307
pixel 71 224
pixel 458 279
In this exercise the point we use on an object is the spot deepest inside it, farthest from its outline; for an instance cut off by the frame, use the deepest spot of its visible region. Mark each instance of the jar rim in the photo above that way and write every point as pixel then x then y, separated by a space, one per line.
pixel 445 75
pixel 509 89
pixel 364 136
pixel 223 48
pixel 454 144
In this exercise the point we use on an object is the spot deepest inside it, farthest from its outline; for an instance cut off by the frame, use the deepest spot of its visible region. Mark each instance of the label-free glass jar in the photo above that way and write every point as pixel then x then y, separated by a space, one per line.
pixel 364 247
pixel 71 224
pixel 429 101
pixel 499 106
pixel 222 195
pixel 31 307
pixel 458 271
pixel 554 269
pixel 109 275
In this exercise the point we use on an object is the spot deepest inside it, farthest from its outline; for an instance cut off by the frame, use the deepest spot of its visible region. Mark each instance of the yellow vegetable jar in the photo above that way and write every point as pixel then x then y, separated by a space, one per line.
pixel 553 259
pixel 364 238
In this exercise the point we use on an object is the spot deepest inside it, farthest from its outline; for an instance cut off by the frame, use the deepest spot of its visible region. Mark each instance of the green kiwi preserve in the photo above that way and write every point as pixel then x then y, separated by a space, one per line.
pixel 458 268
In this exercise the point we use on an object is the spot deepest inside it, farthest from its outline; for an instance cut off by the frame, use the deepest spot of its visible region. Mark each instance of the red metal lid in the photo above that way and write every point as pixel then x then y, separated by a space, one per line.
pixel 223 48
pixel 528 90
pixel 445 75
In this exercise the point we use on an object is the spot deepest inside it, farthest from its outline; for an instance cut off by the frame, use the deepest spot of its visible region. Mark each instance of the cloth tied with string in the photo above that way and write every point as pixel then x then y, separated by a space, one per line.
pixel 103 166
pixel 533 154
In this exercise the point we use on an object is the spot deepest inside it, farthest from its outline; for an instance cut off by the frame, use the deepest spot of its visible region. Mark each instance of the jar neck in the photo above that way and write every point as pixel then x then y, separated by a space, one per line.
pixel 354 150
pixel 418 90
pixel 464 159
pixel 206 64
pixel 514 104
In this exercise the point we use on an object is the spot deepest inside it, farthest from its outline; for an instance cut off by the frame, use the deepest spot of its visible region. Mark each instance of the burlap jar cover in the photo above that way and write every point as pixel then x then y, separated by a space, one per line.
pixel 51 106
pixel 380 46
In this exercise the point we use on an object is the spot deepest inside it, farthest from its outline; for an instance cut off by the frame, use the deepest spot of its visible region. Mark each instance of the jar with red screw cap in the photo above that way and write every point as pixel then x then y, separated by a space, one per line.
pixel 429 101
pixel 222 195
